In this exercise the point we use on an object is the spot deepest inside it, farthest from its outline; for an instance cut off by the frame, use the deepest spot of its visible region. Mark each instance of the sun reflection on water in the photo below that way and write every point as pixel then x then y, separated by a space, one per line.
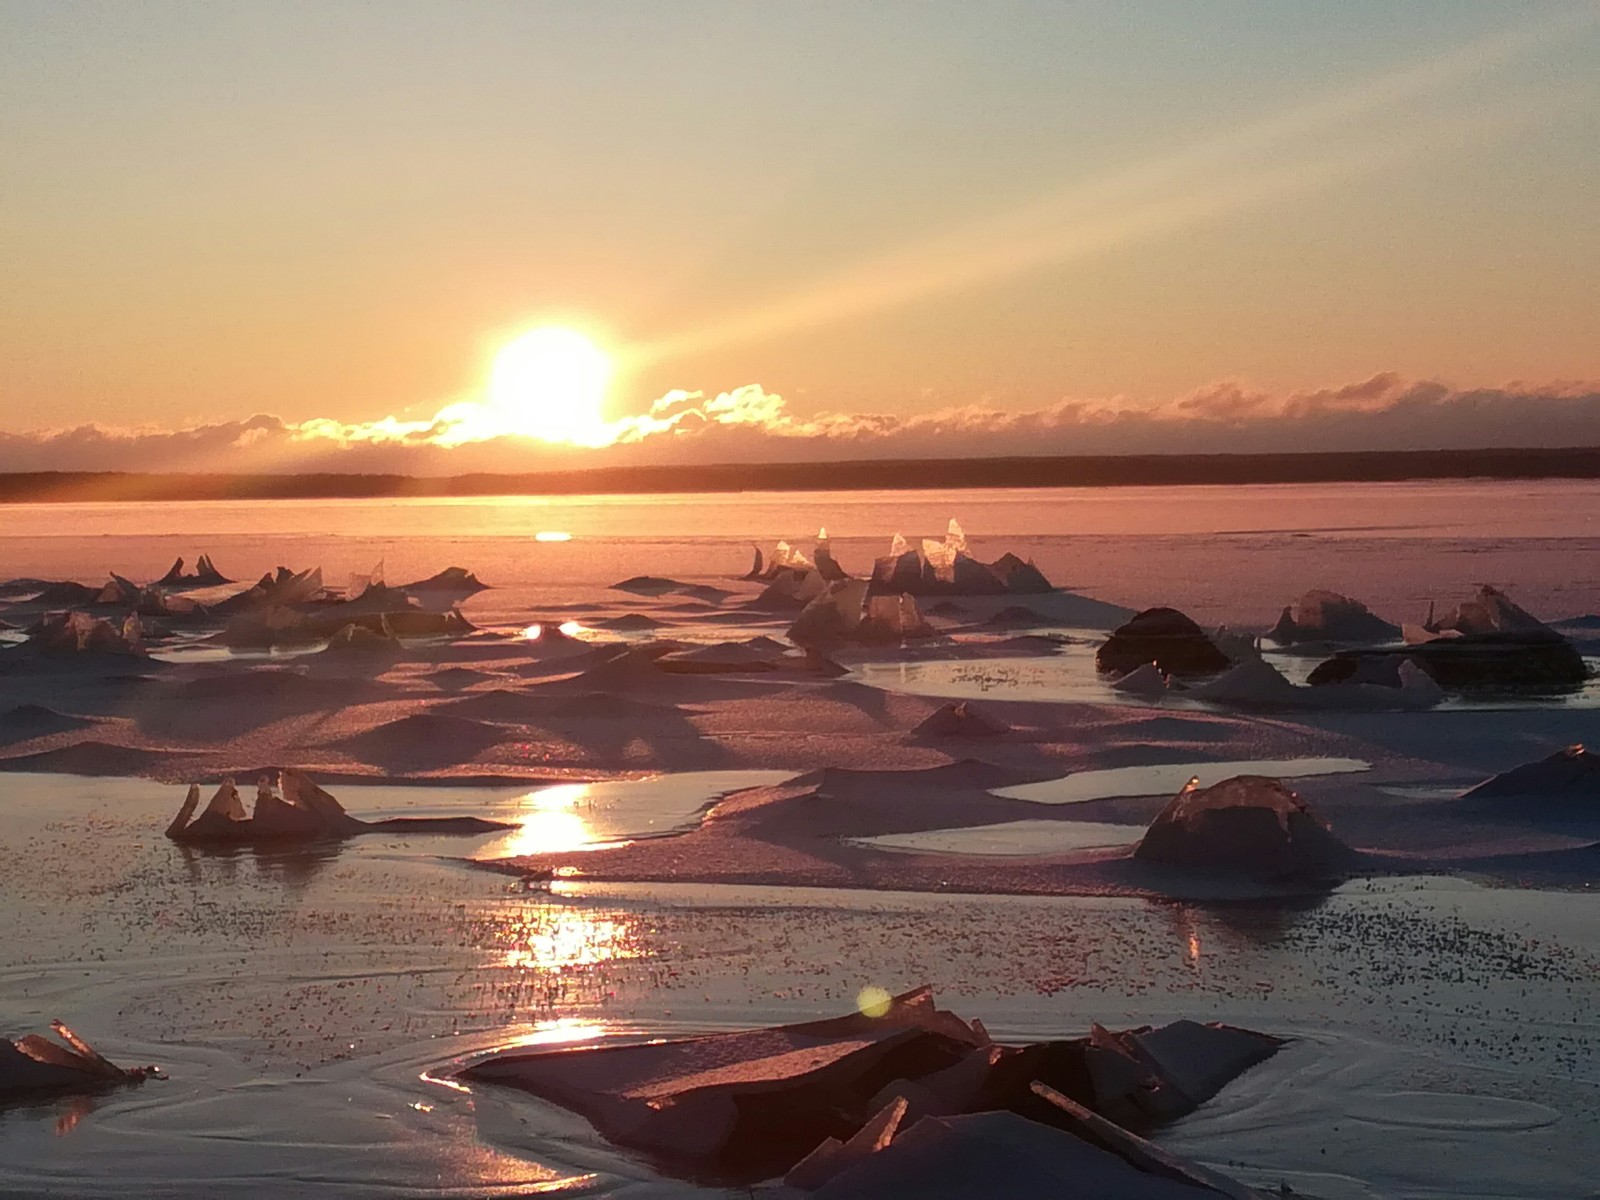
pixel 552 820
pixel 563 1031
pixel 537 631
pixel 569 938
pixel 1188 929
pixel 548 832
pixel 549 937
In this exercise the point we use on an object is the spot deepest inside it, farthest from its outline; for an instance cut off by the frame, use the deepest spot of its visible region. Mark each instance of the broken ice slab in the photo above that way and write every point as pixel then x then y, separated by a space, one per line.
pixel 999 1154
pixel 741 1107
pixel 36 1066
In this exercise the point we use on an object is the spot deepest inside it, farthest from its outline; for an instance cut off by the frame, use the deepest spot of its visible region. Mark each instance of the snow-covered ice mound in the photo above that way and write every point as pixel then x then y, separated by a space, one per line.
pixel 960 720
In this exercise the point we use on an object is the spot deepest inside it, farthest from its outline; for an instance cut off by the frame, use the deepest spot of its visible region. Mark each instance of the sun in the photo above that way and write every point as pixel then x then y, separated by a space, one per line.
pixel 551 384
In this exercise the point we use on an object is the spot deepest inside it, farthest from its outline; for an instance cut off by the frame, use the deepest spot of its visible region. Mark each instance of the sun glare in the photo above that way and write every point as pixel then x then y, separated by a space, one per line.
pixel 551 384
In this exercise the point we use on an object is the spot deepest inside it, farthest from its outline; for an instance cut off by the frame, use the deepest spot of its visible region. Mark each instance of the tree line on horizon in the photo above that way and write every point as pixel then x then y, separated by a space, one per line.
pixel 1367 466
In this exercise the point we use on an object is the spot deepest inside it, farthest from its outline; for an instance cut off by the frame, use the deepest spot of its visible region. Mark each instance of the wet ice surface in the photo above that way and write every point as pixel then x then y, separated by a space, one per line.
pixel 1070 675
pixel 1168 778
pixel 1224 554
pixel 298 999
pixel 1012 838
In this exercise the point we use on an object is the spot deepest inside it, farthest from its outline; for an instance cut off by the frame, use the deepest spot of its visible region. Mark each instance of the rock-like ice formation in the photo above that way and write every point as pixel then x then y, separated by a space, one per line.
pixel 1417 687
pixel 1490 611
pixel 1487 643
pixel 1253 682
pixel 649 585
pixel 124 595
pixel 823 1100
pixel 35 1066
pixel 1145 681
pixel 832 617
pixel 452 581
pixel 789 591
pixel 303 813
pixel 283 589
pixel 383 617
pixel 1165 637
pixel 626 623
pixel 828 566
pixel 205 575
pixel 947 568
pixel 961 719
pixel 1239 647
pixel 67 593
pixel 1248 825
pixel 1020 576
pixel 785 557
pixel 892 619
pixel 79 633
pixel 995 1154
pixel 757 567
pixel 372 650
pixel 1323 616
pixel 1567 775
pixel 24 587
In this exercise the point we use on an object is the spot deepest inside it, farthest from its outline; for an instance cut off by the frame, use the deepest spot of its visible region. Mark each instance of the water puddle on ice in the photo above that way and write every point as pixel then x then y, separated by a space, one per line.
pixel 1027 838
pixel 1011 838
pixel 1450 1112
pixel 207 650
pixel 593 816
pixel 1167 778
pixel 1427 791
pixel 550 818
pixel 1069 676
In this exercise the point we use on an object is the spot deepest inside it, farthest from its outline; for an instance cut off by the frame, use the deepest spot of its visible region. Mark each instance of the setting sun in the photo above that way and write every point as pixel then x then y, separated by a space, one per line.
pixel 550 384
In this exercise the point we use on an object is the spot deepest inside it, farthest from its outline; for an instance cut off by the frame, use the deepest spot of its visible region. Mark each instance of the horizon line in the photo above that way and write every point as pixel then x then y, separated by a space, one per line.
pixel 896 474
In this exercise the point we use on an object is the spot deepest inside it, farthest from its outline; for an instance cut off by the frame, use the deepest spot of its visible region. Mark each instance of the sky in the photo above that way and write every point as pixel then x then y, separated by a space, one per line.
pixel 296 235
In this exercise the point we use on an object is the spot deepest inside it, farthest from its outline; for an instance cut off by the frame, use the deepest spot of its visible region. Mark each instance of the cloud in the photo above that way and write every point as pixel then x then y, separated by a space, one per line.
pixel 750 424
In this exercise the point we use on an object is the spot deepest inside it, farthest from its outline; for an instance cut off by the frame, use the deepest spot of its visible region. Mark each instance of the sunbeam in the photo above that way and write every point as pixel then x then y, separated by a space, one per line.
pixel 1276 156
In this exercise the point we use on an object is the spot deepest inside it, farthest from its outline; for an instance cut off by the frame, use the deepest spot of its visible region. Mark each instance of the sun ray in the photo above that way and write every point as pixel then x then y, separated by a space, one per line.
pixel 1302 148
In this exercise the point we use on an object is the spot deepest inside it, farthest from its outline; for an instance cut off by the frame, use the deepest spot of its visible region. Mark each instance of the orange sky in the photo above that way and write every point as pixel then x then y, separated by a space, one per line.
pixel 340 213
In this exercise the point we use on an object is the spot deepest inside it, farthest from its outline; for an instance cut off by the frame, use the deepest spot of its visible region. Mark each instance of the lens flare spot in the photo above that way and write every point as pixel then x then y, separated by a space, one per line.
pixel 873 1001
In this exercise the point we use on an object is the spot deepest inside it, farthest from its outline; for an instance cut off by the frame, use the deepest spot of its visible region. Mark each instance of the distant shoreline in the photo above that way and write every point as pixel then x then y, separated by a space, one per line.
pixel 1369 466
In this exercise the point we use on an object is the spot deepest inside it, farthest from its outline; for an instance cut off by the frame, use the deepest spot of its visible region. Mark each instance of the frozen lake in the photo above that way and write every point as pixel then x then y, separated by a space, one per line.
pixel 1231 555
